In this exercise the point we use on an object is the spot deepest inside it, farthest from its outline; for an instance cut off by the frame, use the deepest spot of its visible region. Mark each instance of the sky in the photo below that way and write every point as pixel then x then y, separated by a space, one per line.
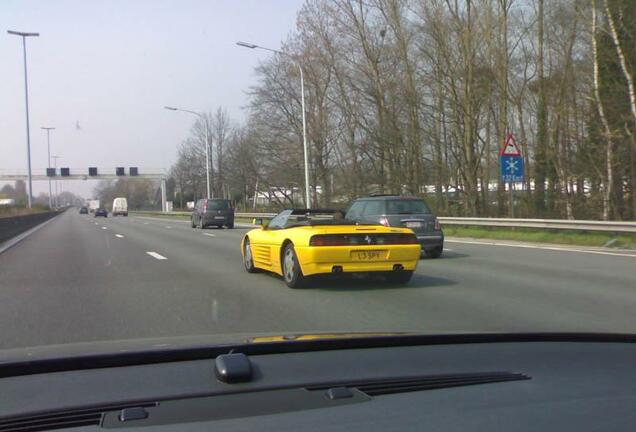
pixel 101 72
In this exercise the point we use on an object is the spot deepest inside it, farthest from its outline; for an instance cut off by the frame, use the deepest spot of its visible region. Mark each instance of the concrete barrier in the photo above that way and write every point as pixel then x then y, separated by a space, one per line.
pixel 14 225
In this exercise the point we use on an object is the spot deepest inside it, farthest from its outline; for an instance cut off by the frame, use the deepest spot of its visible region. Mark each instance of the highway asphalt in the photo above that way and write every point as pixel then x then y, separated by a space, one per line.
pixel 80 278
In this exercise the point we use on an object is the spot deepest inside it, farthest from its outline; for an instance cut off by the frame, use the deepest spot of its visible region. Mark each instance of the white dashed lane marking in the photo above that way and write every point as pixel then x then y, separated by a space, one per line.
pixel 119 236
pixel 209 235
pixel 104 228
pixel 155 255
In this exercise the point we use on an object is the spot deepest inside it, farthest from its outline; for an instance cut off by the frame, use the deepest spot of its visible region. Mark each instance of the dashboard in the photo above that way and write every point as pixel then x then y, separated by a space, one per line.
pixel 486 386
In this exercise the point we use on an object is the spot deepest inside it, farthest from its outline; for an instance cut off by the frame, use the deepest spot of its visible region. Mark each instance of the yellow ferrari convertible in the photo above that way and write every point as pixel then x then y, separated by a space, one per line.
pixel 300 243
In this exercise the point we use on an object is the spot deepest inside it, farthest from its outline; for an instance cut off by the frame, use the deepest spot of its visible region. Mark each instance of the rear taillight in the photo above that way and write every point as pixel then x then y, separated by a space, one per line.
pixel 362 239
pixel 205 205
pixel 329 240
pixel 384 221
pixel 437 225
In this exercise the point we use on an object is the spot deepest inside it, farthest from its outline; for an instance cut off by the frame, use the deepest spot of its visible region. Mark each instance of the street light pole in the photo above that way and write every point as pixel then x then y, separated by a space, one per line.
pixel 55 158
pixel 302 103
pixel 207 142
pixel 48 146
pixel 207 154
pixel 24 35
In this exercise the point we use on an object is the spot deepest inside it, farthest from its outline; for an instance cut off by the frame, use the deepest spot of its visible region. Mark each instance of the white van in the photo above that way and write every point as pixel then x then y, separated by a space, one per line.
pixel 120 207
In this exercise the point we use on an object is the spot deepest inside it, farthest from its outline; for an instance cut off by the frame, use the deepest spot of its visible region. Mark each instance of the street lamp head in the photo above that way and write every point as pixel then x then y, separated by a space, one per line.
pixel 47 128
pixel 247 45
pixel 23 34
pixel 170 108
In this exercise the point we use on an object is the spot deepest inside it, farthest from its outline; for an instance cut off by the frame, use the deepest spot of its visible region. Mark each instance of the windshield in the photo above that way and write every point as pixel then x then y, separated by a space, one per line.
pixel 233 169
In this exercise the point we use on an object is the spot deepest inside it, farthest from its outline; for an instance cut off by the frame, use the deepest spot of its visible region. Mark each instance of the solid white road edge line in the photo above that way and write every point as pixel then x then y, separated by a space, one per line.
pixel 552 248
pixel 156 255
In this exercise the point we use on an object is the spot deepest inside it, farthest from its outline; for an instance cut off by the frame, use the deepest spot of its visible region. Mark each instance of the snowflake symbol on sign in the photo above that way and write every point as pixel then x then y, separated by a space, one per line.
pixel 512 165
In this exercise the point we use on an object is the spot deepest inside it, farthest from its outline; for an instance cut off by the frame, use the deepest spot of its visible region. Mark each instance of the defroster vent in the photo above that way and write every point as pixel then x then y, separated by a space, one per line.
pixel 421 383
pixel 61 419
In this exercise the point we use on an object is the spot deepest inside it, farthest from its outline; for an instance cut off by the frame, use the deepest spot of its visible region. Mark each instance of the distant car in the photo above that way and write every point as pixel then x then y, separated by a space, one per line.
pixel 213 211
pixel 403 212
pixel 101 211
pixel 83 210
pixel 120 207
pixel 299 243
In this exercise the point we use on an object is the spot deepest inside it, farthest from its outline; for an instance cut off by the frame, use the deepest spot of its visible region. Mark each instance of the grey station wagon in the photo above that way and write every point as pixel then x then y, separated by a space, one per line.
pixel 217 212
pixel 404 212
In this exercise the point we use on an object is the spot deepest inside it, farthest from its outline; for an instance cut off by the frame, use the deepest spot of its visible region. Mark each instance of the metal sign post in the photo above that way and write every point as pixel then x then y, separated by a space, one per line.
pixel 511 167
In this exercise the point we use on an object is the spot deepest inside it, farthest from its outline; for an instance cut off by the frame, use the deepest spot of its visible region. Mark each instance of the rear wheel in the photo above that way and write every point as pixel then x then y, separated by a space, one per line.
pixel 435 253
pixel 230 225
pixel 292 273
pixel 248 259
pixel 400 277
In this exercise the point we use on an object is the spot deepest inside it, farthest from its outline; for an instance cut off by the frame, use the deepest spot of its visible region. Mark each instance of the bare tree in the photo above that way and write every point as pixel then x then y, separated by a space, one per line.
pixel 630 93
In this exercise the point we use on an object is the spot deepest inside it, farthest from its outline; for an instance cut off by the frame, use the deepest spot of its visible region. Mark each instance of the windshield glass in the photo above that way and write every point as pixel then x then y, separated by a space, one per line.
pixel 232 169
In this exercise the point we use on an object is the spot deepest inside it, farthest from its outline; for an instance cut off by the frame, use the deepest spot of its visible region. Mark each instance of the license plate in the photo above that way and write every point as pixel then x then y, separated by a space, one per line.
pixel 219 217
pixel 368 255
pixel 414 224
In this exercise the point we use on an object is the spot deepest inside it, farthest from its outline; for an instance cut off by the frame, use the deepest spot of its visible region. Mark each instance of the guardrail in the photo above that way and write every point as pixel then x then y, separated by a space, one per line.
pixel 556 224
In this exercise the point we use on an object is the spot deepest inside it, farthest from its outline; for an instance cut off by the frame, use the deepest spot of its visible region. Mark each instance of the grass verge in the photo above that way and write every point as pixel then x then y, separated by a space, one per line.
pixel 576 238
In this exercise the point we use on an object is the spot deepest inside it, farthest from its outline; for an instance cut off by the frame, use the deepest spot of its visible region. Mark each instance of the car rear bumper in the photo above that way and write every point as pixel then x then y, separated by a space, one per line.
pixel 430 241
pixel 213 220
pixel 328 259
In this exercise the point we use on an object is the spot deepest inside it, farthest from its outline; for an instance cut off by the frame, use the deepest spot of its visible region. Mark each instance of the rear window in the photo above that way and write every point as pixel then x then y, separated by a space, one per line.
pixel 406 207
pixel 218 205
pixel 374 208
